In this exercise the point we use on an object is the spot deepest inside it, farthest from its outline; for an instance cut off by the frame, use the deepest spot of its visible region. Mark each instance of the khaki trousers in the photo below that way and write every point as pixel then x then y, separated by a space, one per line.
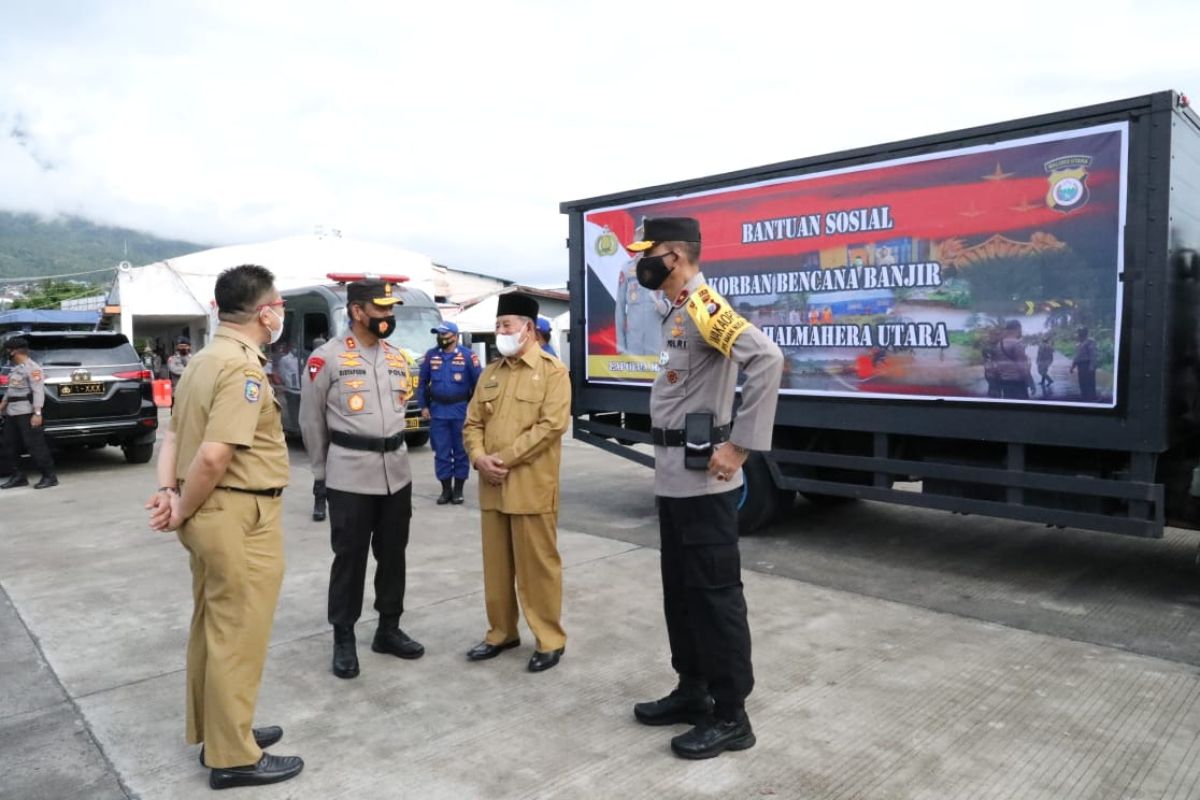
pixel 236 545
pixel 523 547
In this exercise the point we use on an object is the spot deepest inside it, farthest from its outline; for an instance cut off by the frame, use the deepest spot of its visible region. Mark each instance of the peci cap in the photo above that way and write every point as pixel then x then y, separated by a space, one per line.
pixel 372 291
pixel 521 305
pixel 666 229
pixel 543 325
pixel 445 327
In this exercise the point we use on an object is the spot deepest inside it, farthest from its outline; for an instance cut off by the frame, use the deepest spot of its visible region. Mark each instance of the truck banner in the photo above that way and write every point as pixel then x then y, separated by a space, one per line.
pixel 983 274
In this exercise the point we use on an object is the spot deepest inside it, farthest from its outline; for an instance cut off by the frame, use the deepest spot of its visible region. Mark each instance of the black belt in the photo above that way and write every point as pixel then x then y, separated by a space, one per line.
pixel 677 437
pixel 447 401
pixel 368 443
pixel 261 492
pixel 12 397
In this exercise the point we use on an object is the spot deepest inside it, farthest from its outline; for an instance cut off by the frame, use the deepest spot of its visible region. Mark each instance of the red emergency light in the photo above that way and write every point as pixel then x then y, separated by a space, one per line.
pixel 348 277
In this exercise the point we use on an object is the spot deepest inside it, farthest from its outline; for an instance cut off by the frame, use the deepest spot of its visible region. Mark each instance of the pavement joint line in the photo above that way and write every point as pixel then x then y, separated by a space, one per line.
pixel 70 700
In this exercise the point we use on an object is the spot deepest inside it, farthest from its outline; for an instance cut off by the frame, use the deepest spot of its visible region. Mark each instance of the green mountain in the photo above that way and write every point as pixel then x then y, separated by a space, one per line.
pixel 33 246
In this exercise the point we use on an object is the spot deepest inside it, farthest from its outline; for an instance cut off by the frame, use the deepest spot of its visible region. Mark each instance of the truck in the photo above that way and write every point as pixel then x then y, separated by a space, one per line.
pixel 1003 320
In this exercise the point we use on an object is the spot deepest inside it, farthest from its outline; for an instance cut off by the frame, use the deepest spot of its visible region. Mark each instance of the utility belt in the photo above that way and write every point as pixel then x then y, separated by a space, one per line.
pixel 16 398
pixel 371 444
pixel 698 437
pixel 448 401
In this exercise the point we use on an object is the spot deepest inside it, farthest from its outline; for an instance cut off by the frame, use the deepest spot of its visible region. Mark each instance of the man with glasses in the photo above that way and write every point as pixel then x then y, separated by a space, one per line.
pixel 222 467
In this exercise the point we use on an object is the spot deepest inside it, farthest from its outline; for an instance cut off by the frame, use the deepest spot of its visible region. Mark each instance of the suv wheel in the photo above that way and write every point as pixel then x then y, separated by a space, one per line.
pixel 139 453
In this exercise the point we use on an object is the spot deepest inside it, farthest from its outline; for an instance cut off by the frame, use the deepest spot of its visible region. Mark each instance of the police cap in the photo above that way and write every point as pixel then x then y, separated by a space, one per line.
pixel 16 343
pixel 372 291
pixel 666 229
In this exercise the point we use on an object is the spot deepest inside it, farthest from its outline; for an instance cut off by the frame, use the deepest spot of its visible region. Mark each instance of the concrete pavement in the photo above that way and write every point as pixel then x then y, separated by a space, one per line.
pixel 857 696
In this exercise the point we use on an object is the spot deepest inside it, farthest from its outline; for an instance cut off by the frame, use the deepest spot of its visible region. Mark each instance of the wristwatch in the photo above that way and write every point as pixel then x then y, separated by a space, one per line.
pixel 169 490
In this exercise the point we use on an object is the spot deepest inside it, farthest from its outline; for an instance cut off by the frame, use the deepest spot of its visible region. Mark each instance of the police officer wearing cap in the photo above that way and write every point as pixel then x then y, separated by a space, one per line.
pixel 543 334
pixel 640 314
pixel 353 397
pixel 21 410
pixel 447 379
pixel 698 457
pixel 178 361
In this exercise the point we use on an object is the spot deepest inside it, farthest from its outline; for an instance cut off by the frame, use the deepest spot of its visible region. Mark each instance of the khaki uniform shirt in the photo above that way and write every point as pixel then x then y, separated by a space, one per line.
pixel 224 397
pixel 362 391
pixel 519 412
pixel 704 343
pixel 26 391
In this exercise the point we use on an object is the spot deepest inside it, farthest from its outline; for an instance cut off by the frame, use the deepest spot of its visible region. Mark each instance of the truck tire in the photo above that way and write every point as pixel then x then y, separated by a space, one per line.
pixel 138 453
pixel 761 499
pixel 417 439
pixel 827 500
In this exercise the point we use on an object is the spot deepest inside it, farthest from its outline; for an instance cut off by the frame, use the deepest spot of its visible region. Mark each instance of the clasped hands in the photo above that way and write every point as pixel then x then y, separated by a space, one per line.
pixel 491 469
pixel 164 508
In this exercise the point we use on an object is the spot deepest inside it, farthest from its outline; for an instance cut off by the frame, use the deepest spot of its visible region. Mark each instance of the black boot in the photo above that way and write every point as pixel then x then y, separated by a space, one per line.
pixel 456 496
pixel 446 493
pixel 345 656
pixel 714 736
pixel 48 480
pixel 690 702
pixel 16 480
pixel 390 639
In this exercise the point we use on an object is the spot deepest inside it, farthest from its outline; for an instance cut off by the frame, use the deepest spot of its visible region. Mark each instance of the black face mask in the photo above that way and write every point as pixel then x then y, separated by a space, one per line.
pixel 381 326
pixel 445 341
pixel 652 271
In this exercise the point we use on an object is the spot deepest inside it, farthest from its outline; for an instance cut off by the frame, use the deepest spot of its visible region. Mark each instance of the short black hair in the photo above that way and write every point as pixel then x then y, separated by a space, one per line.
pixel 240 289
pixel 691 250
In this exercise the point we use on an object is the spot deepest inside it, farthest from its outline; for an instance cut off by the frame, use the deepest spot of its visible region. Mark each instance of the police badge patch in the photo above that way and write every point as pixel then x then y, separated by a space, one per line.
pixel 252 391
pixel 1068 187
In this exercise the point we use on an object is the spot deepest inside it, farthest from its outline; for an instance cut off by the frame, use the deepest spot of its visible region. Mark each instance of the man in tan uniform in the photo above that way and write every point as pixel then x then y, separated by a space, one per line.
pixel 513 435
pixel 221 472
pixel 352 405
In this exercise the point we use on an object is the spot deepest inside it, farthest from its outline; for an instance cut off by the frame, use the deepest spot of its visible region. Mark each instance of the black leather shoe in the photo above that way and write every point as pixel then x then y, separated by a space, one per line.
pixel 263 737
pixel 345 656
pixel 46 482
pixel 446 493
pixel 14 482
pixel 396 642
pixel 485 650
pixel 678 707
pixel 540 662
pixel 456 494
pixel 269 769
pixel 713 737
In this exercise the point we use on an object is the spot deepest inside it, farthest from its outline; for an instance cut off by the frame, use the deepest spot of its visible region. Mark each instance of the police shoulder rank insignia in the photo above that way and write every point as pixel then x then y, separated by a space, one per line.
pixel 36 375
pixel 314 366
pixel 253 390
pixel 717 322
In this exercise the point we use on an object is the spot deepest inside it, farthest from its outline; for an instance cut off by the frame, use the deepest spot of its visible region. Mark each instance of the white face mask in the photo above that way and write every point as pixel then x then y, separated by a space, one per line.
pixel 509 344
pixel 276 333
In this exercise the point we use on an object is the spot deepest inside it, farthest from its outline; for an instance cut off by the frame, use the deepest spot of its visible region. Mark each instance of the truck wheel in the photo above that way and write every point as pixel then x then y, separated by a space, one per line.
pixel 417 439
pixel 139 453
pixel 761 499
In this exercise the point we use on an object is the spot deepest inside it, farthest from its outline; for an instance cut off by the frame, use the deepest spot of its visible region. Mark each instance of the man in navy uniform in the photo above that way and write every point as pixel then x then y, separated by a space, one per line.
pixel 448 376
pixel 543 334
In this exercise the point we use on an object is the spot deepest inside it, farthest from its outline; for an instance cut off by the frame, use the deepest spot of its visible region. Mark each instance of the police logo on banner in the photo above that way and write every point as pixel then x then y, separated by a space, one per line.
pixel 1068 183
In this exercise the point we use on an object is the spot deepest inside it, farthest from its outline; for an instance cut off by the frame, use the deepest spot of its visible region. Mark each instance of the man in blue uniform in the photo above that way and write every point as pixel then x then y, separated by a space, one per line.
pixel 543 334
pixel 448 376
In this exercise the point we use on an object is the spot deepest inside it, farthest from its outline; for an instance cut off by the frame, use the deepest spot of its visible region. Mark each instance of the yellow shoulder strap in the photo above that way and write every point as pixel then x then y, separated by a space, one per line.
pixel 716 320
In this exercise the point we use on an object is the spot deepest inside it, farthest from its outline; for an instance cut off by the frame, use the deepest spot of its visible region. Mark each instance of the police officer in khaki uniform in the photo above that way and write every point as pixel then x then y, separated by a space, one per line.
pixel 697 477
pixel 352 401
pixel 21 410
pixel 222 468
pixel 513 434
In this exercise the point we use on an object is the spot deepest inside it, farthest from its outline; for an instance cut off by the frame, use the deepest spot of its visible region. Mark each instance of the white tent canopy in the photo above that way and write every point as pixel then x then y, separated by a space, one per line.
pixel 178 292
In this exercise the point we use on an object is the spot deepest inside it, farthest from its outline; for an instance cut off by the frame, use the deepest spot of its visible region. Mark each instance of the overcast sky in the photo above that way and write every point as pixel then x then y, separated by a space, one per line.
pixel 456 128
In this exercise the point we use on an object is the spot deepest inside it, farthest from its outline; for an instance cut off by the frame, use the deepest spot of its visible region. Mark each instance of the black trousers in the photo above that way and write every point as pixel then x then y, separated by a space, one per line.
pixel 362 522
pixel 1087 384
pixel 18 431
pixel 703 599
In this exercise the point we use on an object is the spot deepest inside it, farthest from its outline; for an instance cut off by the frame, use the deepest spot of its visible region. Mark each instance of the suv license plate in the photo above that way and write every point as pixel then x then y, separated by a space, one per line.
pixel 74 389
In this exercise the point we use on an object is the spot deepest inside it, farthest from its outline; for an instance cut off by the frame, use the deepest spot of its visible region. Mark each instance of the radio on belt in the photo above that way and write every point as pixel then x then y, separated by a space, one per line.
pixel 698 440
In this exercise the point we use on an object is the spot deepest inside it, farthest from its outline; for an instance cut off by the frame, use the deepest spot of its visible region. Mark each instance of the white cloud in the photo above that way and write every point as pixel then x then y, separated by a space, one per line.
pixel 457 129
